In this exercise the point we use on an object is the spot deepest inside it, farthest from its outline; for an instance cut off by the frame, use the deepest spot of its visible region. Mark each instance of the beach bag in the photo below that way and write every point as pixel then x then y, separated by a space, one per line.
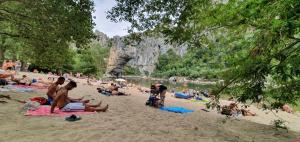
pixel 3 82
pixel 40 100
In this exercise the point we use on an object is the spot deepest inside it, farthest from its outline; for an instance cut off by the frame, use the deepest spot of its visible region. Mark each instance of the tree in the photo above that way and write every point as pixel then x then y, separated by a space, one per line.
pixel 47 27
pixel 261 38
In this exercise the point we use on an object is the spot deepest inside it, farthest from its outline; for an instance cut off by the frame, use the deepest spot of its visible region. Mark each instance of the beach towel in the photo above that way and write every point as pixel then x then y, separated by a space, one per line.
pixel 105 93
pixel 33 86
pixel 176 109
pixel 45 111
pixel 200 101
pixel 19 88
pixel 181 95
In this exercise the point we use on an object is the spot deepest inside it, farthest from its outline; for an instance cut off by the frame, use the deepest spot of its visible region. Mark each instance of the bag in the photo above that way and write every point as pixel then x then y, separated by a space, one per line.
pixel 40 100
pixel 3 82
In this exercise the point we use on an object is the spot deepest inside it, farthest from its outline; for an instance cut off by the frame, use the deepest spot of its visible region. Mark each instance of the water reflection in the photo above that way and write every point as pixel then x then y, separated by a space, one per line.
pixel 170 85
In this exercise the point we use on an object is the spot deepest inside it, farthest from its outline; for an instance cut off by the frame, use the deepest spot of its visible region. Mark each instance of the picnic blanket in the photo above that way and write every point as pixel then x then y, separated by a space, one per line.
pixel 176 109
pixel 45 111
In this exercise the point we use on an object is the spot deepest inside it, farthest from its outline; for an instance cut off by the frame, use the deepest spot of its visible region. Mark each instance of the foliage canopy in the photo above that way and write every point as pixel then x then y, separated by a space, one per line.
pixel 261 39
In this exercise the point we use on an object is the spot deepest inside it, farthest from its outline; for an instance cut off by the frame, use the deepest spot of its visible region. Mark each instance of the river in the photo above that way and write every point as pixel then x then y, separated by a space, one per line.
pixel 171 85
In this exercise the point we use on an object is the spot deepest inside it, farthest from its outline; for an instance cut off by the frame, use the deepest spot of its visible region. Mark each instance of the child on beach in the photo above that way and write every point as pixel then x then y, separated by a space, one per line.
pixel 63 102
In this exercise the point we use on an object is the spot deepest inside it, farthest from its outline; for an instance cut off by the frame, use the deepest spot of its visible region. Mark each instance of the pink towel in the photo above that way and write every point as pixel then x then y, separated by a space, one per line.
pixel 45 111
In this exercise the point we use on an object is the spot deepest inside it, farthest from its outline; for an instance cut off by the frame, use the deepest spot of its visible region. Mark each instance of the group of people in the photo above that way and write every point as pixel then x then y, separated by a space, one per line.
pixel 233 110
pixel 11 65
pixel 112 90
pixel 158 94
pixel 58 97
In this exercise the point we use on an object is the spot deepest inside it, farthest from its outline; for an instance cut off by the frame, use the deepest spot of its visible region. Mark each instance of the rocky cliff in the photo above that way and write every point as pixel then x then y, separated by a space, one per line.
pixel 142 54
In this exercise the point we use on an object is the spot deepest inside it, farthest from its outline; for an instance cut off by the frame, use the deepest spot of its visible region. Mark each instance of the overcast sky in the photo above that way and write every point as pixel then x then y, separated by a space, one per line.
pixel 104 25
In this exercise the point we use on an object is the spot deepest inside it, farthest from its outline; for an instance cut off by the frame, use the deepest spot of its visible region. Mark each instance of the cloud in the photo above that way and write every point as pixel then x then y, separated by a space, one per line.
pixel 105 25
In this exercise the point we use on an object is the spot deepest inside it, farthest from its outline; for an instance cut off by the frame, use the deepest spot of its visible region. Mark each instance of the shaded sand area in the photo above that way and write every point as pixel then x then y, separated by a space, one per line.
pixel 129 120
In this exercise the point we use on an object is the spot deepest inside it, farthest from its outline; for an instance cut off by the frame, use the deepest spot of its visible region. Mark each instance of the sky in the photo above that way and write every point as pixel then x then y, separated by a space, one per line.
pixel 105 25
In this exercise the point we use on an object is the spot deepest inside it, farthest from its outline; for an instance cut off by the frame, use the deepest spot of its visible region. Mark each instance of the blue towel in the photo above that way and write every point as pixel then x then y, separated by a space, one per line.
pixel 24 90
pixel 176 109
pixel 181 95
pixel 105 93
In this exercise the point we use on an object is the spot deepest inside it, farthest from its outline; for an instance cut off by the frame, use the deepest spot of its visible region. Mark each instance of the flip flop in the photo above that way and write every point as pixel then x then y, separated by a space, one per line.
pixel 73 118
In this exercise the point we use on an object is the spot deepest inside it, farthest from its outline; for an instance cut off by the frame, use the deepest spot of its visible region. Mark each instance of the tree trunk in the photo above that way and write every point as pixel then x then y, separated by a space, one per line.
pixel 2 51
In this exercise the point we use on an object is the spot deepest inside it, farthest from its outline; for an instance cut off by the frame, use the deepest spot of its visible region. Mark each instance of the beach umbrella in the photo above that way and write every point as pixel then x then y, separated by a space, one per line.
pixel 120 80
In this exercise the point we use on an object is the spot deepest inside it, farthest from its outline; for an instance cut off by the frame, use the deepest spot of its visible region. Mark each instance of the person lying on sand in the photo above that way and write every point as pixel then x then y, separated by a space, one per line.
pixel 63 102
pixel 22 81
pixel 233 110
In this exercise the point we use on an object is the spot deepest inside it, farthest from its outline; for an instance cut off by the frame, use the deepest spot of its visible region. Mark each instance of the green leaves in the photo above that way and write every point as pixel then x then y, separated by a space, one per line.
pixel 45 28
pixel 255 39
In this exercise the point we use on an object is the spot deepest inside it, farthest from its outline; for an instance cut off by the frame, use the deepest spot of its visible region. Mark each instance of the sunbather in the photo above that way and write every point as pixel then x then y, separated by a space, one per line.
pixel 53 88
pixel 22 81
pixel 5 74
pixel 63 102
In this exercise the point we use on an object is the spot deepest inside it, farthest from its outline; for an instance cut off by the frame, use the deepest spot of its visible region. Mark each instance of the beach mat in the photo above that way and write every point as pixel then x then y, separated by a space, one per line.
pixel 19 88
pixel 32 86
pixel 176 109
pixel 45 111
pixel 200 101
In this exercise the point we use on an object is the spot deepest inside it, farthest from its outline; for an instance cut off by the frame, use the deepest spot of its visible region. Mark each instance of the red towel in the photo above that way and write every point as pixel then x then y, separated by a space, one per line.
pixel 45 111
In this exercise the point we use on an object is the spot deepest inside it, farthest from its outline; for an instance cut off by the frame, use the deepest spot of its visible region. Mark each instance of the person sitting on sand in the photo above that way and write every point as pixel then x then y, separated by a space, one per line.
pixel 22 81
pixel 112 87
pixel 53 88
pixel 63 102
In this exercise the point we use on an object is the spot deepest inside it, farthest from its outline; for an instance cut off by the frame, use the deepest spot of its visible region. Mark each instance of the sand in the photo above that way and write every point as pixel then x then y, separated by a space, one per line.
pixel 129 120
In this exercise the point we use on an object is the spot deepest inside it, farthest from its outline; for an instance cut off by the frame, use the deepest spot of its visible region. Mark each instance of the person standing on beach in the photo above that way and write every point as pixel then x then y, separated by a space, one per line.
pixel 63 102
pixel 162 92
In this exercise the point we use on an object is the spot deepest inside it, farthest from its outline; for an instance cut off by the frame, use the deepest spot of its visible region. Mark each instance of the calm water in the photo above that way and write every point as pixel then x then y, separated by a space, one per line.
pixel 170 85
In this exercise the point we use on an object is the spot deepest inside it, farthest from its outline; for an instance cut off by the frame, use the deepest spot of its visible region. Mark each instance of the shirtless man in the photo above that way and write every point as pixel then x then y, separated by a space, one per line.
pixel 63 102
pixel 53 88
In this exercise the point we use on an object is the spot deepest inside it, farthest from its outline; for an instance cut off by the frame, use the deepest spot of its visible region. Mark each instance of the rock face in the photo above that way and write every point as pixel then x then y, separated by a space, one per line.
pixel 102 39
pixel 147 51
pixel 119 56
pixel 142 55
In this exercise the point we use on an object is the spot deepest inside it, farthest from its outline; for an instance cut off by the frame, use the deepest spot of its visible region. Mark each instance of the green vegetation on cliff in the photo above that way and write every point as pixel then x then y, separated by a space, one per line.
pixel 196 63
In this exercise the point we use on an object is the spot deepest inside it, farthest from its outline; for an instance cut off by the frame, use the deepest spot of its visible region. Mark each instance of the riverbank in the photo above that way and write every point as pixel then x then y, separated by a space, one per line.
pixel 129 120
pixel 178 80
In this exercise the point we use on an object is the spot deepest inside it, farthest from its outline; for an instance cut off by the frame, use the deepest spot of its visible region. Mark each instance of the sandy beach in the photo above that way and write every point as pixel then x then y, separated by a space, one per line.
pixel 129 120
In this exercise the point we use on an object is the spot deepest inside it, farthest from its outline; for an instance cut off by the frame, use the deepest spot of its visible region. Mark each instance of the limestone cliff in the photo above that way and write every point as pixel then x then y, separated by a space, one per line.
pixel 142 55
